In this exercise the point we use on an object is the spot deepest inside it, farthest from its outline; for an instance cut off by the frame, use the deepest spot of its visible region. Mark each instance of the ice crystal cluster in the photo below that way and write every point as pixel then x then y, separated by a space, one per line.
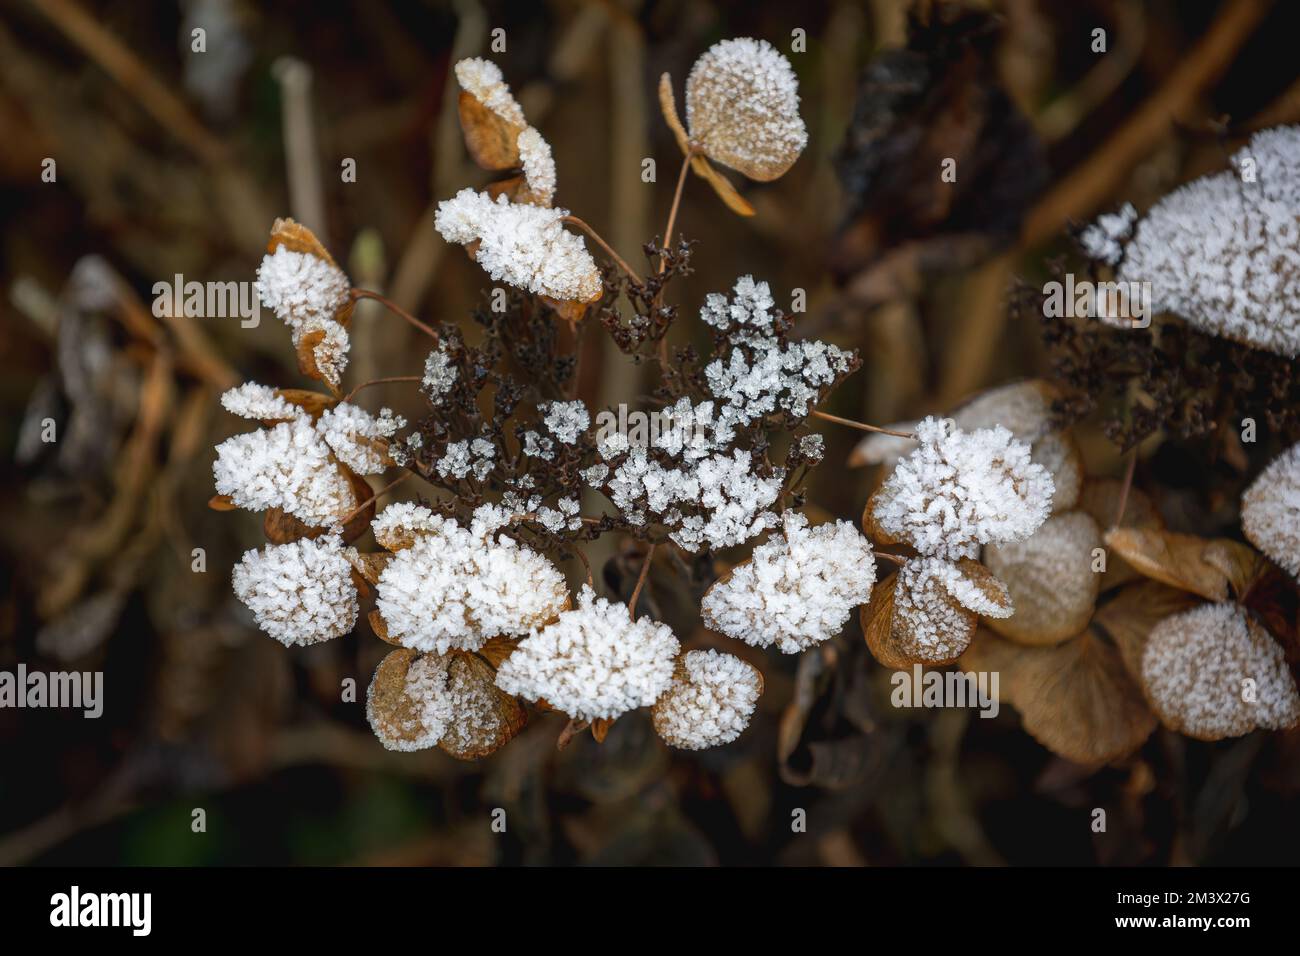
pixel 300 592
pixel 960 490
pixel 308 293
pixel 742 108
pixel 797 589
pixel 483 80
pixel 594 662
pixel 1223 251
pixel 258 402
pixel 524 245
pixel 457 587
pixel 1270 511
pixel 1212 672
pixel 709 701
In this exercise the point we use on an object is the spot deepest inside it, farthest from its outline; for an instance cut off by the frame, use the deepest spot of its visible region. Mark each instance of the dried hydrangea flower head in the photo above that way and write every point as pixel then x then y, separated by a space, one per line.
pixel 1212 672
pixel 742 108
pixel 521 244
pixel 456 588
pixel 960 490
pixel 357 438
pixel 1270 510
pixel 1223 252
pixel 797 589
pixel 417 701
pixel 595 662
pixel 300 592
pixel 709 701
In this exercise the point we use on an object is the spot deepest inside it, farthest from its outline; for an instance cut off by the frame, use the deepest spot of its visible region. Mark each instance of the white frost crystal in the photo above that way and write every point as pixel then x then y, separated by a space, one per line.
pixel 483 80
pixel 539 165
pixel 288 467
pixel 259 402
pixel 454 588
pixel 709 702
pixel 777 378
pixel 524 245
pixel 357 438
pixel 1223 251
pixel 961 490
pixel 742 107
pixel 439 374
pixel 301 288
pixel 398 525
pixel 301 592
pixel 751 309
pixel 1270 510
pixel 1212 672
pixel 565 420
pixel 1104 240
pixel 797 589
pixel 594 662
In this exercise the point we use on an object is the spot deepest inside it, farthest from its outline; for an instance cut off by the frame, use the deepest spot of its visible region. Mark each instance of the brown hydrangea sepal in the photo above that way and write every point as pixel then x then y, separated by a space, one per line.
pixel 700 166
pixel 1213 569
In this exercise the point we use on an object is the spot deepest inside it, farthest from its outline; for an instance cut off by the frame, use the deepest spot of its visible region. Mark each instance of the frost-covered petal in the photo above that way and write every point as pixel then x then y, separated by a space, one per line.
pixel 709 702
pixel 300 592
pixel 539 166
pixel 300 287
pixel 1270 510
pixel 288 467
pixel 258 402
pixel 357 438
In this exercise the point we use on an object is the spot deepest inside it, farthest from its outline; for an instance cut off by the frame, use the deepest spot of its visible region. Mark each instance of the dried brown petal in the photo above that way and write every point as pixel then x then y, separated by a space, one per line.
pixel 1131 614
pixel 1209 568
pixel 492 140
pixel 700 166
pixel 1100 499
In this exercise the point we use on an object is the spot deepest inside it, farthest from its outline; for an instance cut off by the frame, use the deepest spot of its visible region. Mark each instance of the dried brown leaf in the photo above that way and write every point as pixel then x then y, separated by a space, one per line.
pixel 1207 568
pixel 492 141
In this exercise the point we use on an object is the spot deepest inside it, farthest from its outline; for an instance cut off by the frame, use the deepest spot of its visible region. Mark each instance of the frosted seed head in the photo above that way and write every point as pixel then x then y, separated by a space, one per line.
pixel 709 701
pixel 300 592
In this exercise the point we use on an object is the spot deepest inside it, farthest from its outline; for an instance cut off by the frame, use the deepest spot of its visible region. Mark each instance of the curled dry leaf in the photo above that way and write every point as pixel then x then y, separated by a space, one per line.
pixel 222 503
pixel 1100 499
pixel 1212 569
pixel 492 140
pixel 699 165
pixel 1050 579
pixel 1077 699
pixel 380 627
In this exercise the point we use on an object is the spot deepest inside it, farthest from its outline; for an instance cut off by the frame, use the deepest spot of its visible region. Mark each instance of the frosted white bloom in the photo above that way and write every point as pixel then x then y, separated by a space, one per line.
pixel 709 702
pixel 742 106
pixel 453 588
pixel 797 589
pixel 439 374
pixel 1270 510
pixel 482 79
pixel 960 490
pixel 398 525
pixel 1104 240
pixel 259 402
pixel 357 438
pixel 751 308
pixel 565 420
pixel 776 378
pixel 1223 251
pixel 538 446
pixel 595 475
pixel 467 457
pixel 563 515
pixel 1212 672
pixel 524 245
pixel 300 592
pixel 299 287
pixel 594 662
pixel 539 165
pixel 288 467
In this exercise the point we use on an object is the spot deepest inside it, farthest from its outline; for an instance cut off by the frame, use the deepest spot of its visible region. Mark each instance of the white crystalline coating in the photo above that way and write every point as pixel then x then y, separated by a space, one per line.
pixel 539 165
pixel 300 288
pixel 812 447
pixel 709 702
pixel 1212 672
pixel 937 624
pixel 565 420
pixel 595 475
pixel 1270 510
pixel 1223 252
pixel 524 245
pixel 960 490
pixel 288 467
pixel 594 662
pixel 434 705
pixel 538 446
pixel 258 402
pixel 778 378
pixel 300 592
pixel 330 353
pixel 742 106
pixel 1104 240
pixel 457 589
pixel 467 457
pixel 563 516
pixel 751 308
pixel 439 373
pixel 357 438
pixel 483 79
pixel 797 590
pixel 402 521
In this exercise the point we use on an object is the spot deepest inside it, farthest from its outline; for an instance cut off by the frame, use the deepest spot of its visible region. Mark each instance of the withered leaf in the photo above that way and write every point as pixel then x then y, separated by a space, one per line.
pixel 492 141
pixel 471 736
pixel 221 503
pixel 1208 568
pixel 700 166
pixel 380 627
pixel 497 649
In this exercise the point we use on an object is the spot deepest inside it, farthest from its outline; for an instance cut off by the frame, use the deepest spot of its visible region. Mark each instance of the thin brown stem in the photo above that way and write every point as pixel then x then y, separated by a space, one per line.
pixel 591 581
pixel 375 497
pixel 396 309
pixel 900 561
pixel 381 381
pixel 640 582
pixel 862 426
pixel 609 250
pixel 677 201
pixel 1124 489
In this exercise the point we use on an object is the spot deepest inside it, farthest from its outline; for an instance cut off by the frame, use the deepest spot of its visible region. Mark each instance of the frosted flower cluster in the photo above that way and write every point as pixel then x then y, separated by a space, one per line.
pixel 594 662
pixel 357 438
pixel 1212 672
pixel 301 592
pixel 1223 251
pixel 751 309
pixel 565 420
pixel 439 374
pixel 307 293
pixel 466 457
pixel 774 378
pixel 1270 511
pixel 258 402
pixel 797 589
pixel 524 245
pixel 456 588
pixel 709 702
pixel 960 490
pixel 742 107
